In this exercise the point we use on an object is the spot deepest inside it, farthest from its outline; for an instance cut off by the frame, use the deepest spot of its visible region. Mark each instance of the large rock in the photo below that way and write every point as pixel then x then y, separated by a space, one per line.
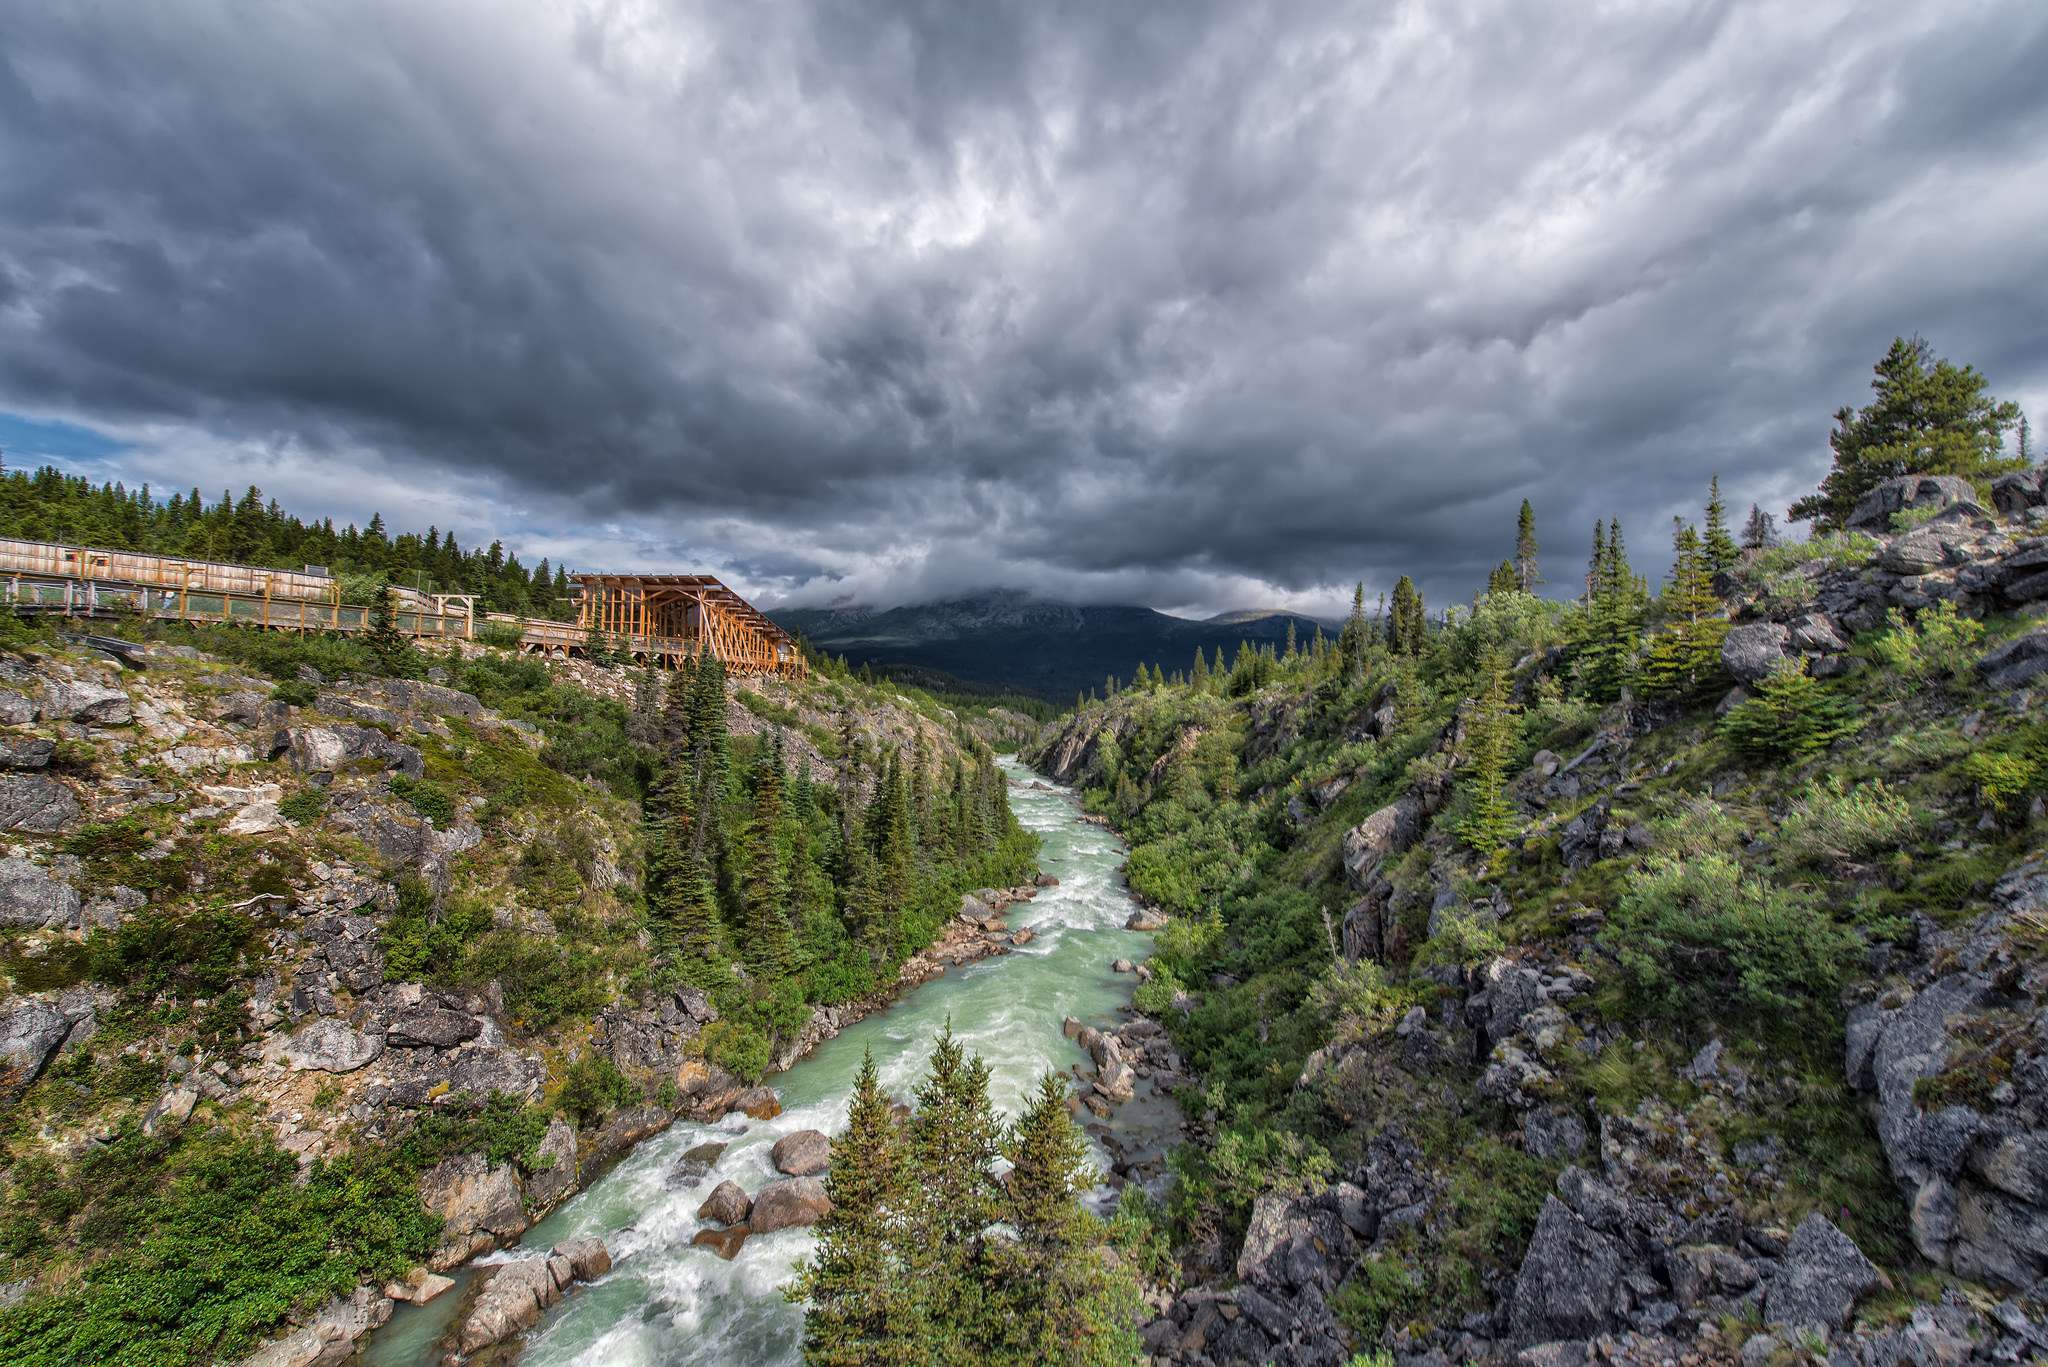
pixel 33 898
pixel 80 700
pixel 26 752
pixel 15 710
pixel 508 1302
pixel 727 1204
pixel 327 1044
pixel 1387 831
pixel 1821 1277
pixel 1146 919
pixel 331 1336
pixel 787 1204
pixel 2019 491
pixel 430 1027
pixel 588 1258
pixel 555 1174
pixel 324 749
pixel 1875 510
pixel 36 805
pixel 480 1206
pixel 29 1034
pixel 802 1153
pixel 2017 661
pixel 1569 1280
pixel 1753 651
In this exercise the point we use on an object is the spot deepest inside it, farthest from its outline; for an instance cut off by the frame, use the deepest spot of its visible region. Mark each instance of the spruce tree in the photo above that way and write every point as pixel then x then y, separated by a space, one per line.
pixel 1407 629
pixel 710 741
pixel 1684 654
pixel 1613 622
pixel 1352 639
pixel 1198 678
pixel 395 654
pixel 1760 533
pixel 1717 545
pixel 1502 580
pixel 1929 417
pixel 764 888
pixel 1492 731
pixel 861 1303
pixel 1526 577
pixel 954 1139
pixel 1059 1301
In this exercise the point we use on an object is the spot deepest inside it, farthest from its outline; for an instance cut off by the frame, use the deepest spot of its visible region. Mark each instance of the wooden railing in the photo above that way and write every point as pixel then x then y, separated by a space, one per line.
pixel 48 577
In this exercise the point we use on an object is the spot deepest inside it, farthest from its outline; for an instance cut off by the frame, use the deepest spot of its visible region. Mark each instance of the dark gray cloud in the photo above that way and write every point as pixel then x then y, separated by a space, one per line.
pixel 1199 304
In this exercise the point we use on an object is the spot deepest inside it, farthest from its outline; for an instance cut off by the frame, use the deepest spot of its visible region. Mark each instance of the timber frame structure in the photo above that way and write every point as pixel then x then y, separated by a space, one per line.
pixel 660 619
pixel 657 620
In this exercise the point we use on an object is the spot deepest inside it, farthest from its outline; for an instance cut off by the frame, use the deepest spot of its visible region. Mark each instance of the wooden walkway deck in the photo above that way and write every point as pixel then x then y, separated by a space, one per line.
pixel 696 615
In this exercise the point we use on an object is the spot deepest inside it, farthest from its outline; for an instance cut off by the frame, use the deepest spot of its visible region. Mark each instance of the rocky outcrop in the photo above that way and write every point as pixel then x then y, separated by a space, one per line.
pixel 37 805
pixel 35 898
pixel 1956 1062
pixel 510 1298
pixel 325 1043
pixel 326 749
pixel 481 1207
pixel 331 1336
pixel 29 1035
pixel 1875 510
pixel 85 702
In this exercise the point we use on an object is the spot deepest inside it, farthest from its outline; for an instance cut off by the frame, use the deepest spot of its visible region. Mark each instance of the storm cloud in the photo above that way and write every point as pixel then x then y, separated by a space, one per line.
pixel 1202 305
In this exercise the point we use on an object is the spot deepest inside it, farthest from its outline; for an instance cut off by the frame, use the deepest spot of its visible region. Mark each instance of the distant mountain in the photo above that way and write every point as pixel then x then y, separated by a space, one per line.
pixel 1011 640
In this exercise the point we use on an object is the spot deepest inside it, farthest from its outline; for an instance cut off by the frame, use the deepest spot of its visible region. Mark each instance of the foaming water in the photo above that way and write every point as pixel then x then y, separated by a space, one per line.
pixel 669 1303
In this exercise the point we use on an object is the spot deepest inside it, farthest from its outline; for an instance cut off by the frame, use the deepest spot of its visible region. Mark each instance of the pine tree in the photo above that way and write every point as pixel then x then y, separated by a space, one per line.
pixel 1718 546
pixel 643 723
pixel 1760 533
pixel 1198 678
pixel 1502 580
pixel 1684 654
pixel 1492 731
pixel 954 1139
pixel 1407 626
pixel 1059 1302
pixel 1613 622
pixel 1792 716
pixel 710 741
pixel 1526 576
pixel 764 889
pixel 1929 417
pixel 1351 641
pixel 395 653
pixel 862 1305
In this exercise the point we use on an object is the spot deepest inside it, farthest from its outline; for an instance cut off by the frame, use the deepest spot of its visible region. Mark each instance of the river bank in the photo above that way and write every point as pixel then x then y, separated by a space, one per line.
pixel 670 1303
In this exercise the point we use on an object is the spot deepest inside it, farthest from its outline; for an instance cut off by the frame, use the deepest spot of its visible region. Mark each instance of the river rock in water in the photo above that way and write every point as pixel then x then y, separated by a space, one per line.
pixel 787 1204
pixel 802 1153
pixel 727 1204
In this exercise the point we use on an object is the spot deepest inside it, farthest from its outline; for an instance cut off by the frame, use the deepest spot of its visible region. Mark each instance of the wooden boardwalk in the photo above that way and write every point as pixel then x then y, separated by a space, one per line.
pixel 658 620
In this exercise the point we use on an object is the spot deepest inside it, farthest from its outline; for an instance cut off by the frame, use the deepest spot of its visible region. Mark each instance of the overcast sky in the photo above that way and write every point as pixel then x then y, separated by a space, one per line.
pixel 1200 305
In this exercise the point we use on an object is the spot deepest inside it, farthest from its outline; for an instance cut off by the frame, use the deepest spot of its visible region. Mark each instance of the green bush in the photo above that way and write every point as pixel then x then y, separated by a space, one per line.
pixel 207 1241
pixel 1793 716
pixel 1699 938
pixel 739 1047
pixel 1830 824
pixel 1463 937
pixel 1938 647
pixel 499 635
pixel 294 692
pixel 594 1086
pixel 303 806
pixel 430 799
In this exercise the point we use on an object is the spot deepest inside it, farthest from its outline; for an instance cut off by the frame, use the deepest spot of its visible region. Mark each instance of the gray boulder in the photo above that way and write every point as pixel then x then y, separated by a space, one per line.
pixel 509 1302
pixel 36 805
pixel 430 1027
pixel 26 752
pixel 554 1163
pixel 1145 918
pixel 1569 1280
pixel 15 709
pixel 1387 831
pixel 1875 510
pixel 33 898
pixel 29 1034
pixel 1821 1277
pixel 481 1207
pixel 324 749
pixel 788 1204
pixel 588 1257
pixel 327 1044
pixel 2017 661
pixel 1753 651
pixel 2015 493
pixel 802 1153
pixel 727 1204
pixel 82 701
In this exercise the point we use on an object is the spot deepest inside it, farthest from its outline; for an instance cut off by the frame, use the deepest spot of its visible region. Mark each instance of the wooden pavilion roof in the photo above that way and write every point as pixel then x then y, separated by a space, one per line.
pixel 691 586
